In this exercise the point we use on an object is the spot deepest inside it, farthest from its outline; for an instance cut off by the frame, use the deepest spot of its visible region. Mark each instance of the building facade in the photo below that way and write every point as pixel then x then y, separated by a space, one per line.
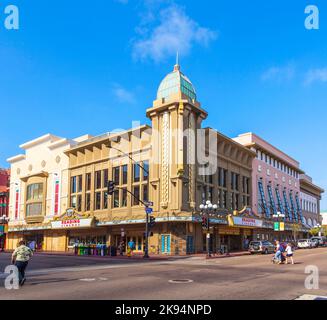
pixel 310 196
pixel 166 163
pixel 323 217
pixel 4 205
pixel 276 187
pixel 59 187
pixel 38 191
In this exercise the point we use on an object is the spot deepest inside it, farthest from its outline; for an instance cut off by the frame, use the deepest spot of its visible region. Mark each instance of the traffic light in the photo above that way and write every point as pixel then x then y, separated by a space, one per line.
pixel 111 188
pixel 152 222
pixel 204 222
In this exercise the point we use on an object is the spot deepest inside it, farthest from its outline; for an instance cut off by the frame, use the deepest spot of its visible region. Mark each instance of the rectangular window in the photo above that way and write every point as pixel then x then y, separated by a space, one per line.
pixel 237 178
pixel 136 173
pixel 97 201
pixel 97 181
pixel 210 194
pixel 125 174
pixel 88 202
pixel 105 200
pixel 88 182
pixel 232 202
pixel 136 191
pixel 73 185
pixel 146 170
pixel 224 200
pixel 35 192
pixel 116 199
pixel 73 201
pixel 124 198
pixel 105 178
pixel 116 175
pixel 79 203
pixel 34 209
pixel 79 183
pixel 237 202
pixel 145 193
pixel 219 199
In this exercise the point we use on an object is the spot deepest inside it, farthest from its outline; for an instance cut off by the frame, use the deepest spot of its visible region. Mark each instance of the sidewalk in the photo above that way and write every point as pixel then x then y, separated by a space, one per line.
pixel 229 255
pixel 139 256
pixel 136 256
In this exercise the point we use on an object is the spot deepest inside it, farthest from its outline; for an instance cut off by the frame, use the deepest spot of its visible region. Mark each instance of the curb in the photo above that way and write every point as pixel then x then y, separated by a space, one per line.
pixel 228 256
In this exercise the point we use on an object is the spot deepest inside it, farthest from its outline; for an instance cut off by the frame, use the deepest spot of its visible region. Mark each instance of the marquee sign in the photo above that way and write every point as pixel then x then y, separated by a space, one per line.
pixel 72 219
pixel 73 223
pixel 247 222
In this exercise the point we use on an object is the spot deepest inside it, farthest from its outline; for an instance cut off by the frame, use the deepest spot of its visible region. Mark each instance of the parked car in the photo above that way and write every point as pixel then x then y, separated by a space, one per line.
pixel 322 241
pixel 263 247
pixel 306 244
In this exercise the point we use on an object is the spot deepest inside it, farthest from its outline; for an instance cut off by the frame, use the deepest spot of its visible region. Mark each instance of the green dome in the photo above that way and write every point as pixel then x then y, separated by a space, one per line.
pixel 176 82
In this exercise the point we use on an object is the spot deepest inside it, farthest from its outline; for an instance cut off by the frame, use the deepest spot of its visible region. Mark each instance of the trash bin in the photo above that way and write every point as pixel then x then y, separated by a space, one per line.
pixel 113 251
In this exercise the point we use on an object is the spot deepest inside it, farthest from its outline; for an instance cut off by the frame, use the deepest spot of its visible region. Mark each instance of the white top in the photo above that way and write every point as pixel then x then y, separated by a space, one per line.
pixel 289 250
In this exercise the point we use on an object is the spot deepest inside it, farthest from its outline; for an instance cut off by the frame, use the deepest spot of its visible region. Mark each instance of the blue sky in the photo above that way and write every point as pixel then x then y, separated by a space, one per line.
pixel 77 67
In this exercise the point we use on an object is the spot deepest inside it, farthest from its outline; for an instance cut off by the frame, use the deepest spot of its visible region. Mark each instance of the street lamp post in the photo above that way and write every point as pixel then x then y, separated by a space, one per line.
pixel 208 210
pixel 318 226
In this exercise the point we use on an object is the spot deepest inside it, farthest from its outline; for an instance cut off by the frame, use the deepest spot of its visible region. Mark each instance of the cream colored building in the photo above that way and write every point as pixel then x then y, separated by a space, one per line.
pixel 38 190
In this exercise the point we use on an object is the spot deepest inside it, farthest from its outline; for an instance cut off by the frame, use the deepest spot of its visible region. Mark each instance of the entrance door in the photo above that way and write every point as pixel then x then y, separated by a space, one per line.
pixel 138 240
pixel 38 240
pixel 189 245
pixel 165 243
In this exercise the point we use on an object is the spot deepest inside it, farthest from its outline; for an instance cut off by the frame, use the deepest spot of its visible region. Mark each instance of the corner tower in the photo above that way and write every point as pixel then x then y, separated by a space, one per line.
pixel 176 115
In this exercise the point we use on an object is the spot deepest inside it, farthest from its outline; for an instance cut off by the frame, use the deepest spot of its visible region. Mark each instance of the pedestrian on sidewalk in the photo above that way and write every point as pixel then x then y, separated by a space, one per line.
pixel 20 259
pixel 289 253
pixel 131 247
pixel 121 247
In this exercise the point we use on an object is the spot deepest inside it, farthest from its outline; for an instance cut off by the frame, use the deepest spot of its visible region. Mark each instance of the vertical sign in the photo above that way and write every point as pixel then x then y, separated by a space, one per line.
pixel 56 194
pixel 276 226
pixel 17 202
pixel 282 226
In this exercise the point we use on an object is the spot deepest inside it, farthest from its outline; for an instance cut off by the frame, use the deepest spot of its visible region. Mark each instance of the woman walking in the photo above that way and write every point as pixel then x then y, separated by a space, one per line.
pixel 289 253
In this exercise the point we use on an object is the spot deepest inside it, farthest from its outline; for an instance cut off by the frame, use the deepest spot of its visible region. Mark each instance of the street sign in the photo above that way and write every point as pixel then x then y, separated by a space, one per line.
pixel 149 210
pixel 149 203
pixel 282 226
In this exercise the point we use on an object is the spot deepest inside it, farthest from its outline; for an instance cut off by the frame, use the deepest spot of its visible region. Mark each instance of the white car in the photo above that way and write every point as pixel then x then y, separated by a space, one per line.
pixel 306 244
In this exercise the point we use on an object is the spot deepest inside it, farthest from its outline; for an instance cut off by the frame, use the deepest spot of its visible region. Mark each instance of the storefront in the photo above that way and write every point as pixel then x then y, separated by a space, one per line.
pixel 241 229
pixel 3 233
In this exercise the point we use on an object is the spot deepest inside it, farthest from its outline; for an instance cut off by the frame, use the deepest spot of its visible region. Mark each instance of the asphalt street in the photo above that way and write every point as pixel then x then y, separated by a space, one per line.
pixel 244 277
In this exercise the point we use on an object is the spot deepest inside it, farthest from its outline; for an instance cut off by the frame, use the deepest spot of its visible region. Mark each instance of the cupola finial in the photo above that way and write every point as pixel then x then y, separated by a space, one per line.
pixel 177 66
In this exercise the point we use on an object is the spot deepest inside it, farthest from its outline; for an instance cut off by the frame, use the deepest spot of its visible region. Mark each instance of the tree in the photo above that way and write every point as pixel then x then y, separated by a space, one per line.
pixel 314 232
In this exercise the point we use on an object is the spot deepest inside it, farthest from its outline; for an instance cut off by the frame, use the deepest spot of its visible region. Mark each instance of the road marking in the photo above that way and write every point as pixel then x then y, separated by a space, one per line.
pixel 181 281
pixel 88 280
pixel 311 297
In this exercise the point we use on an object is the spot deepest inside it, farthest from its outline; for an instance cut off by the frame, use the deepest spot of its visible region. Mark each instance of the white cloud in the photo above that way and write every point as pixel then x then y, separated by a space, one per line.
pixel 123 95
pixel 279 74
pixel 316 75
pixel 175 31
